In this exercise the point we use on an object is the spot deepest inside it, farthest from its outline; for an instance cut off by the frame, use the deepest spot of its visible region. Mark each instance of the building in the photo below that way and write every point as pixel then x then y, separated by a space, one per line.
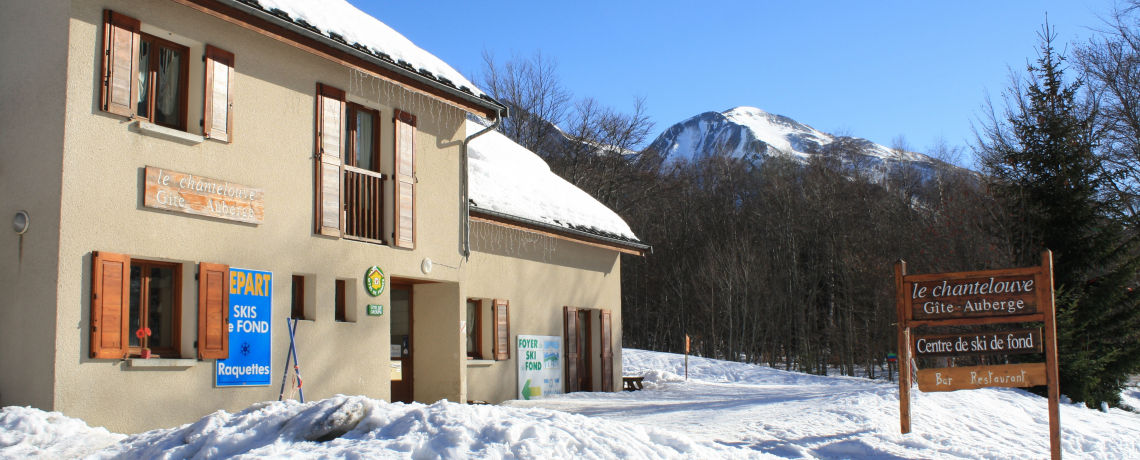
pixel 187 174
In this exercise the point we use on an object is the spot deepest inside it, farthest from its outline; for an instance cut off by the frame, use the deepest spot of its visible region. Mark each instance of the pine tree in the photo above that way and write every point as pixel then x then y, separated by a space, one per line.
pixel 1043 165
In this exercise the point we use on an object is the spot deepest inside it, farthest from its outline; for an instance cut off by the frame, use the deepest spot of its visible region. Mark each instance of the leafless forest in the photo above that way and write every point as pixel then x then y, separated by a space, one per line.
pixel 790 264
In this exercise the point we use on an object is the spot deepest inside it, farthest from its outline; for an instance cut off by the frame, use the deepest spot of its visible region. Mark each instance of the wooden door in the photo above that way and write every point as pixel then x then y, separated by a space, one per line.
pixel 402 345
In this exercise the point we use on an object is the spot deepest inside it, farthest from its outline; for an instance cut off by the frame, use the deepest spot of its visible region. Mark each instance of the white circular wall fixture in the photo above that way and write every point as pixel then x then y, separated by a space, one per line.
pixel 425 266
pixel 20 222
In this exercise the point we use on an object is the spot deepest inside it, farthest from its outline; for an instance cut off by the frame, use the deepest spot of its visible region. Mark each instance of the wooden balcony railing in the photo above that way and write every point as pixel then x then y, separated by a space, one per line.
pixel 364 204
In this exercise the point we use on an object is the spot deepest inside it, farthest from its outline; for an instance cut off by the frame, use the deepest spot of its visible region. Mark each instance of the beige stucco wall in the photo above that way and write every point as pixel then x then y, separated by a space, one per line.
pixel 538 280
pixel 100 208
pixel 33 62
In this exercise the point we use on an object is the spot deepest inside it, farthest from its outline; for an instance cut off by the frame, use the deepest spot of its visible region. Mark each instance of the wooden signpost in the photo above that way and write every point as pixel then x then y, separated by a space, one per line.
pixel 1017 295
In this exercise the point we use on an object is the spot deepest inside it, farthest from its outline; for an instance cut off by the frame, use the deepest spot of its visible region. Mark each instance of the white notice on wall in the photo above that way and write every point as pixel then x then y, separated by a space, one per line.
pixel 540 366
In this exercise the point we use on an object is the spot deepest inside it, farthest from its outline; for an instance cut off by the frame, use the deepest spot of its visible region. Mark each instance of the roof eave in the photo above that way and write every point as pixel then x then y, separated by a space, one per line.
pixel 626 247
pixel 488 104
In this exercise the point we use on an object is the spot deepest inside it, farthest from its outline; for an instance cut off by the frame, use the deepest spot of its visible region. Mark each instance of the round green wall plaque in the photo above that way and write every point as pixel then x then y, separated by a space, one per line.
pixel 374 281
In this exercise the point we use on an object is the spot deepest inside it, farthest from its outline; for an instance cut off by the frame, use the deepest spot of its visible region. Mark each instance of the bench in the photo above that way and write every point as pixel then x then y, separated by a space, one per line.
pixel 632 383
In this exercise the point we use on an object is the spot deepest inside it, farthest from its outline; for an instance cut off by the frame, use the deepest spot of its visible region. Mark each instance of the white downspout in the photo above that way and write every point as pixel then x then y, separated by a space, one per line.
pixel 463 190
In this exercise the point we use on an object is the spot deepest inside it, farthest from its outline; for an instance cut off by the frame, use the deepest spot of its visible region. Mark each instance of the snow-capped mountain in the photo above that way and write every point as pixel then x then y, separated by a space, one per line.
pixel 751 133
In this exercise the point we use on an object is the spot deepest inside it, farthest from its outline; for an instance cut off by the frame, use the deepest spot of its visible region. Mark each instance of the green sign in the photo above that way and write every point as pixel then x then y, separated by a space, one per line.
pixel 375 310
pixel 374 281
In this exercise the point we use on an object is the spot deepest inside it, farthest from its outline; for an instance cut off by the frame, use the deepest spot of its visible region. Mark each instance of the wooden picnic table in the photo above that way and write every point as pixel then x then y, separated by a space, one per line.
pixel 632 383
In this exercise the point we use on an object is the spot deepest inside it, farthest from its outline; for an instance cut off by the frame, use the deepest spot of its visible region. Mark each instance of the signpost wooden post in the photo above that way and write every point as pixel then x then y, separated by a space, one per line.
pixel 1016 295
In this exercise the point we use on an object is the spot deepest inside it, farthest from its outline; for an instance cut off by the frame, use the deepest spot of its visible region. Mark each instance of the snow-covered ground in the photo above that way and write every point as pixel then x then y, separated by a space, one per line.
pixel 726 410
pixel 794 415
pixel 359 428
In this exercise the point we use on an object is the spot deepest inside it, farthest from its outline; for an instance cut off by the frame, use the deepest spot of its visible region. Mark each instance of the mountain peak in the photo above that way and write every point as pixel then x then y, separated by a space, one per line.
pixel 750 132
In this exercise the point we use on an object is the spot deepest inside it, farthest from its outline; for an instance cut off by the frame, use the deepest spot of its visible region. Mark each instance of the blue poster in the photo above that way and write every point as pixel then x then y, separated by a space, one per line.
pixel 251 315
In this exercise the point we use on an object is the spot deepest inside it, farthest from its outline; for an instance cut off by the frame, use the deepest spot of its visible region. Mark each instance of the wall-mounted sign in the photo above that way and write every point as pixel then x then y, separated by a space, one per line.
pixel 191 194
pixel 540 366
pixel 375 310
pixel 251 338
pixel 1007 342
pixel 374 281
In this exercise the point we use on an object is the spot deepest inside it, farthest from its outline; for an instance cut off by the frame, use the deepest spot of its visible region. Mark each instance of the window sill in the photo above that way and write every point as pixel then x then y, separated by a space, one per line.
pixel 162 363
pixel 162 132
pixel 480 362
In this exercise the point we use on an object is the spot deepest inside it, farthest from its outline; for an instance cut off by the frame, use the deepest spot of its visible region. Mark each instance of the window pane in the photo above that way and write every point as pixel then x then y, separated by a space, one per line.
pixel 364 140
pixel 167 109
pixel 144 80
pixel 136 305
pixel 399 325
pixel 160 308
pixel 472 322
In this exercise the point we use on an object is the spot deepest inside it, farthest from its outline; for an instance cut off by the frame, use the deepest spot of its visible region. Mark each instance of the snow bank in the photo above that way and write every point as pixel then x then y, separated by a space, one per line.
pixel 359 427
pixel 341 18
pixel 33 433
pixel 508 178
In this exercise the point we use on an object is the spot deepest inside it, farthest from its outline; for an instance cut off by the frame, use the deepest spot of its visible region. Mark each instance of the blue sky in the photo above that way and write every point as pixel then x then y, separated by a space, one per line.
pixel 876 70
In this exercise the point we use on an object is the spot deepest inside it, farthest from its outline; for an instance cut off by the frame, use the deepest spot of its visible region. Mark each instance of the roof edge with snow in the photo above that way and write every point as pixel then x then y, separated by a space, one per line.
pixel 582 235
pixel 468 97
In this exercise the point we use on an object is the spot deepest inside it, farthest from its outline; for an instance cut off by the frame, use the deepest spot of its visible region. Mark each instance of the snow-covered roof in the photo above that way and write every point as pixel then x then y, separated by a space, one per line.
pixel 508 179
pixel 355 26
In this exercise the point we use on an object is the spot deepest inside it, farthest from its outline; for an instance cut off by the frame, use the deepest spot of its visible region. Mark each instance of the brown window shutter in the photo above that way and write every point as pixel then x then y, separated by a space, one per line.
pixel 110 305
pixel 213 311
pixel 607 352
pixel 571 329
pixel 120 85
pixel 405 218
pixel 502 332
pixel 218 114
pixel 330 154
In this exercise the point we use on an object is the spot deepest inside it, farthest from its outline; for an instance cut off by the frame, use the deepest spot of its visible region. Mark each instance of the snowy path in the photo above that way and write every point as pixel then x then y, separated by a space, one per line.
pixel 794 415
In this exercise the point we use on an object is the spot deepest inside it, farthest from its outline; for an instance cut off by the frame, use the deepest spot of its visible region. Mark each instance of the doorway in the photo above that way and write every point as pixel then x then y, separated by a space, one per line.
pixel 578 336
pixel 402 344
pixel 585 376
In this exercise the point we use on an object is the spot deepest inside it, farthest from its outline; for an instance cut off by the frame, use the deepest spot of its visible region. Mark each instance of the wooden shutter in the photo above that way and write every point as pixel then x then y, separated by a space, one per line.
pixel 120 86
pixel 571 330
pixel 218 116
pixel 330 154
pixel 213 311
pixel 405 217
pixel 607 352
pixel 502 332
pixel 110 305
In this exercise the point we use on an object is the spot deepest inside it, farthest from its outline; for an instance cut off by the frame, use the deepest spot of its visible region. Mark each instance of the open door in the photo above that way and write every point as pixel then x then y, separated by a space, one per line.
pixel 401 371
pixel 606 331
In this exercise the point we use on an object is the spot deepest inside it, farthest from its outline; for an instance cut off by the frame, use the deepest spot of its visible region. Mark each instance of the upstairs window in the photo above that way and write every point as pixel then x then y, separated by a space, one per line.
pixel 146 77
pixel 163 71
pixel 350 190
